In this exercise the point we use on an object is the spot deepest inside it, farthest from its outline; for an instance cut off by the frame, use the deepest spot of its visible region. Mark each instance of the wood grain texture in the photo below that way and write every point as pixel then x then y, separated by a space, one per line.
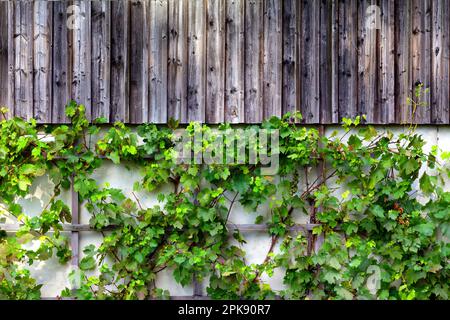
pixel 272 71
pixel 178 62
pixel 158 61
pixel 62 58
pixel 421 54
pixel 334 59
pixel 290 55
pixel 139 63
pixel 440 62
pixel 387 64
pixel 81 51
pixel 225 60
pixel 3 55
pixel 367 60
pixel 101 58
pixel 23 71
pixel 11 58
pixel 215 55
pixel 347 59
pixel 196 61
pixel 253 59
pixel 234 70
pixel 403 70
pixel 325 56
pixel 310 65
pixel 42 61
pixel 120 61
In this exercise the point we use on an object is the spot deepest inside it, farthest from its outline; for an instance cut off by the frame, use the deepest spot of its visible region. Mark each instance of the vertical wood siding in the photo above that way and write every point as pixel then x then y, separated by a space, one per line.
pixel 238 61
pixel 215 61
pixel 3 55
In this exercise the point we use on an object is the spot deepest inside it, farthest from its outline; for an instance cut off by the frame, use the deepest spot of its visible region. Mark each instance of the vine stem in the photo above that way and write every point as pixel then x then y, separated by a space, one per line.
pixel 274 241
pixel 137 200
pixel 309 190
pixel 231 206
pixel 52 197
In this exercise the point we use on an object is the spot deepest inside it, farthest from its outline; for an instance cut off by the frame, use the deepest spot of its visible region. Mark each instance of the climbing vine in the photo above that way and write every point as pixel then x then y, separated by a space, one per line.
pixel 378 212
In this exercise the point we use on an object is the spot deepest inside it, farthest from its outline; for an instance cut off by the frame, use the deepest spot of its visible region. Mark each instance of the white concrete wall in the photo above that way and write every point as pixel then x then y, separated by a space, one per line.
pixel 54 276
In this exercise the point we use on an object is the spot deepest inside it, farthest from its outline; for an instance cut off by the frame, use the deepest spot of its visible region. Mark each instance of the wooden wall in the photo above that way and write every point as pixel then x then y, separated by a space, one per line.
pixel 225 60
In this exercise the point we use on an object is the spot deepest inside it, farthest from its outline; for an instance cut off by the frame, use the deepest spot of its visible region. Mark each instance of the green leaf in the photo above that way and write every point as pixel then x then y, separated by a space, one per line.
pixel 333 262
pixel 114 157
pixel 259 219
pixel 376 177
pixel 206 214
pixel 331 276
pixel 426 229
pixel 139 257
pixel 100 120
pixel 240 182
pixel 410 166
pixel 238 236
pixel 88 263
pixel 24 183
pixel 377 211
pixel 354 141
pixel 345 194
pixel 427 183
pixel 344 293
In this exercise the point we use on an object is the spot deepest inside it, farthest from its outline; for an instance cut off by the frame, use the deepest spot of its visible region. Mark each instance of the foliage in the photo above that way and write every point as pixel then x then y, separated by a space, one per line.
pixel 371 224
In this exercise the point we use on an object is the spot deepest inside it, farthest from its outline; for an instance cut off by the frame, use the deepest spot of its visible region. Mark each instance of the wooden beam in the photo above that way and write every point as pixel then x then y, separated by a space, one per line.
pixel 77 227
pixel 75 234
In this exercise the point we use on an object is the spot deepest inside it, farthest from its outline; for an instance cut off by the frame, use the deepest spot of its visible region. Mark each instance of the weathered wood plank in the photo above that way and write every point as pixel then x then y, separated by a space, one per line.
pixel 158 61
pixel 42 61
pixel 23 43
pixel 215 55
pixel 11 58
pixel 4 31
pixel 325 57
pixel 178 62
pixel 253 61
pixel 234 71
pixel 440 62
pixel 348 62
pixel 61 73
pixel 403 72
pixel 310 66
pixel 138 62
pixel 196 61
pixel 290 54
pixel 244 59
pixel 120 61
pixel 367 59
pixel 421 54
pixel 101 58
pixel 387 63
pixel 273 46
pixel 81 51
pixel 334 61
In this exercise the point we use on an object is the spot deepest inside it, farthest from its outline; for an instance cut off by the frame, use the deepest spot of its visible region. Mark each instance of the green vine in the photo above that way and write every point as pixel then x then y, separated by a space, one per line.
pixel 372 236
